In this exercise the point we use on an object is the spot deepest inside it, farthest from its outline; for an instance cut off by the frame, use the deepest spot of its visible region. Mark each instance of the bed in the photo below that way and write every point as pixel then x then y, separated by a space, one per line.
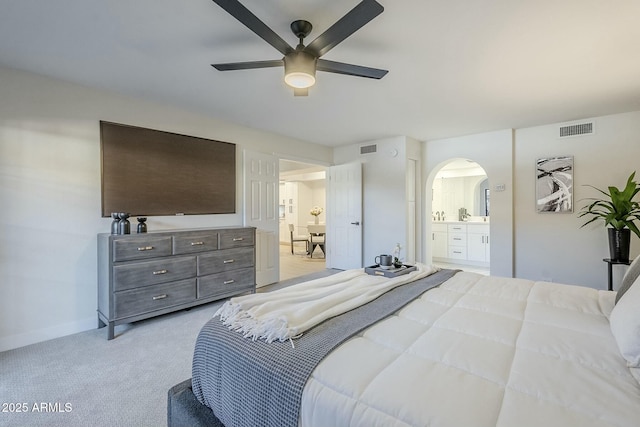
pixel 471 351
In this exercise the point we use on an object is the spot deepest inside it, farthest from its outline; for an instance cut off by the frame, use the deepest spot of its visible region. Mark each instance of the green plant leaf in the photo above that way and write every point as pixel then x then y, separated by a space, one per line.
pixel 617 210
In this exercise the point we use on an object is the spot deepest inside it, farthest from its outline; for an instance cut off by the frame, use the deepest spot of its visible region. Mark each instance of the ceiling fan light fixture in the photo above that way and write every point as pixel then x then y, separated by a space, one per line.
pixel 300 69
pixel 300 80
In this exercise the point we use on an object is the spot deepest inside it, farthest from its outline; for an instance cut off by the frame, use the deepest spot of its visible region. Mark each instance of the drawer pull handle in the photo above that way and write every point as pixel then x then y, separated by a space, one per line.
pixel 457 238
pixel 457 252
pixel 157 297
pixel 238 239
pixel 228 282
pixel 197 243
pixel 145 248
pixel 155 273
pixel 228 261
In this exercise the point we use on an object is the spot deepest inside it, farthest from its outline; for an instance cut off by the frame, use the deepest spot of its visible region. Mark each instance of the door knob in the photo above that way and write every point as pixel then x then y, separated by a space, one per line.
pixel 356 223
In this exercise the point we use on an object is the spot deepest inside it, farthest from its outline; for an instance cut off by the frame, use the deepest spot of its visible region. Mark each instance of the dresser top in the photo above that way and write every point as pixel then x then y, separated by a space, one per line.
pixel 178 230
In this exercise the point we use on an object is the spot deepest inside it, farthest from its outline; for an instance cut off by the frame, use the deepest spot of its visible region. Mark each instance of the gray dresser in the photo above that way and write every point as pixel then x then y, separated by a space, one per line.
pixel 146 275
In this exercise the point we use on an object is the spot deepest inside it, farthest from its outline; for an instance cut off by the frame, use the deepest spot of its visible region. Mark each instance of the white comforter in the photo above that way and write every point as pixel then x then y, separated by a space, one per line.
pixel 481 351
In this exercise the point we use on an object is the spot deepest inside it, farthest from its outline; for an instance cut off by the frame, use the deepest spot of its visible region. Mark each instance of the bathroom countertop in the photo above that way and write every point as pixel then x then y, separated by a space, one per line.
pixel 461 222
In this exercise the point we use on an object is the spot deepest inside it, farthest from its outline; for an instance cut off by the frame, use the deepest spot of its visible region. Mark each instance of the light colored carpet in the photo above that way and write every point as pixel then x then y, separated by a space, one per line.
pixel 84 380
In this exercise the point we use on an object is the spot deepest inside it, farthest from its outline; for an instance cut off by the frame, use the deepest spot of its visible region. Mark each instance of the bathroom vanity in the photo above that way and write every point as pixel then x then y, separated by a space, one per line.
pixel 461 242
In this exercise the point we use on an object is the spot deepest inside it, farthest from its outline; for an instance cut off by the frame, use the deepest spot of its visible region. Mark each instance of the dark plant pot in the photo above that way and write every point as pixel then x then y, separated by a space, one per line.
pixel 619 242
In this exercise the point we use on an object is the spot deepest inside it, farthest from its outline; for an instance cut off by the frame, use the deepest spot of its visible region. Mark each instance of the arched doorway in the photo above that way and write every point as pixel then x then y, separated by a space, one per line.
pixel 460 219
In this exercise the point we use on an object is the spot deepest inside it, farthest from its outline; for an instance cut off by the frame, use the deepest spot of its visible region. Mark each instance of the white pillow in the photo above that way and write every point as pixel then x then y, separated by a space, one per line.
pixel 625 324
pixel 629 277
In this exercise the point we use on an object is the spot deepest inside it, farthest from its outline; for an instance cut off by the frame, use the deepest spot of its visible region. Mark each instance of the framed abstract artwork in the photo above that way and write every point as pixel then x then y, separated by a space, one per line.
pixel 554 184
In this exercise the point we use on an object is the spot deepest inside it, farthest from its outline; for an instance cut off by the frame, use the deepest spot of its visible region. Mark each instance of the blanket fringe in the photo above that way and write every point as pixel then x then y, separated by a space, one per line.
pixel 241 321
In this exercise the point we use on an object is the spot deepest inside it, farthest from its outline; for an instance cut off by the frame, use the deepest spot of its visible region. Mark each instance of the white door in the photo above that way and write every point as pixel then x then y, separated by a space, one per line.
pixel 439 244
pixel 477 242
pixel 344 216
pixel 476 246
pixel 261 176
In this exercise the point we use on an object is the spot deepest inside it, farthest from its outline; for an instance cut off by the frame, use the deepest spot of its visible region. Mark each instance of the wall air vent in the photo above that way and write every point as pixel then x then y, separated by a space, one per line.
pixel 366 149
pixel 578 129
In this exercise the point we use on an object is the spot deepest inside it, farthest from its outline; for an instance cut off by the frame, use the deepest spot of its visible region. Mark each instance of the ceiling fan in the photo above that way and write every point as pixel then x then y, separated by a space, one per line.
pixel 301 63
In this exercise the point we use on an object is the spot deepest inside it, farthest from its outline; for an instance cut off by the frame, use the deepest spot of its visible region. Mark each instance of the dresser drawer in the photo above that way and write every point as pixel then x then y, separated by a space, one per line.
pixel 457 252
pixel 457 239
pixel 457 228
pixel 151 298
pixel 141 247
pixel 226 283
pixel 236 237
pixel 145 273
pixel 226 260
pixel 187 243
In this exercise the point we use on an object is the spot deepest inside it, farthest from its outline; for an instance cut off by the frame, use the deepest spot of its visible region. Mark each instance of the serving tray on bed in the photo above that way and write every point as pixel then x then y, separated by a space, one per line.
pixel 376 270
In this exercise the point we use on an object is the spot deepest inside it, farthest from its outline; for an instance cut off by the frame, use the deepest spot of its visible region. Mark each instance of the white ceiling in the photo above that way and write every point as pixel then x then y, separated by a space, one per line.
pixel 456 67
pixel 291 170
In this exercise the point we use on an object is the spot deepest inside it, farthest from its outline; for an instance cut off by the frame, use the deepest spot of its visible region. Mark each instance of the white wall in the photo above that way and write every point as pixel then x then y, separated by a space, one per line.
pixel 546 246
pixel 493 151
pixel 315 195
pixel 553 246
pixel 319 196
pixel 50 195
pixel 308 194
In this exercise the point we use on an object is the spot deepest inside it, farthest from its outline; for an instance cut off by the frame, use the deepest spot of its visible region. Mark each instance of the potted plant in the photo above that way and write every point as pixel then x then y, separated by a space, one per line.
pixel 618 211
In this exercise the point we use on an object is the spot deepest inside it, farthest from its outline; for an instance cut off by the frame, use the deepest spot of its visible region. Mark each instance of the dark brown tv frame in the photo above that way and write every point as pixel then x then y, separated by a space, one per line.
pixel 147 172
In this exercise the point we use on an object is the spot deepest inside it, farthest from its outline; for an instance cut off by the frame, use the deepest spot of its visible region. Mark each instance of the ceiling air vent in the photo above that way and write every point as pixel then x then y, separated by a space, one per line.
pixel 366 149
pixel 576 130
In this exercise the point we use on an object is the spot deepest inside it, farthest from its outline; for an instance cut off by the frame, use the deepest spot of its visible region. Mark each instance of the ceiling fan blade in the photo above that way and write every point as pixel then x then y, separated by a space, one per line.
pixel 242 14
pixel 300 91
pixel 347 25
pixel 231 66
pixel 350 69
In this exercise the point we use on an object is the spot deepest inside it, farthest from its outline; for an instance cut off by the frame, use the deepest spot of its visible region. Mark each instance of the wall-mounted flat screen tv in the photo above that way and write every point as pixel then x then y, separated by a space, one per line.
pixel 149 172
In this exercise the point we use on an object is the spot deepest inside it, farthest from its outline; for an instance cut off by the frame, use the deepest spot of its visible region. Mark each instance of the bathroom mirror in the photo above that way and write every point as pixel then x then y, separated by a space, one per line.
pixel 461 184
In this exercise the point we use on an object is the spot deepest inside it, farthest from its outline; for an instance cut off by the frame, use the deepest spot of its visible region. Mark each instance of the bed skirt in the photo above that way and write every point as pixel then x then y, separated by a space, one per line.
pixel 184 410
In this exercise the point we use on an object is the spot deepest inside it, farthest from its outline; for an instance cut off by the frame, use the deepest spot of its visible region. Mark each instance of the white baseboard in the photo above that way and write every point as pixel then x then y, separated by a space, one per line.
pixel 20 340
